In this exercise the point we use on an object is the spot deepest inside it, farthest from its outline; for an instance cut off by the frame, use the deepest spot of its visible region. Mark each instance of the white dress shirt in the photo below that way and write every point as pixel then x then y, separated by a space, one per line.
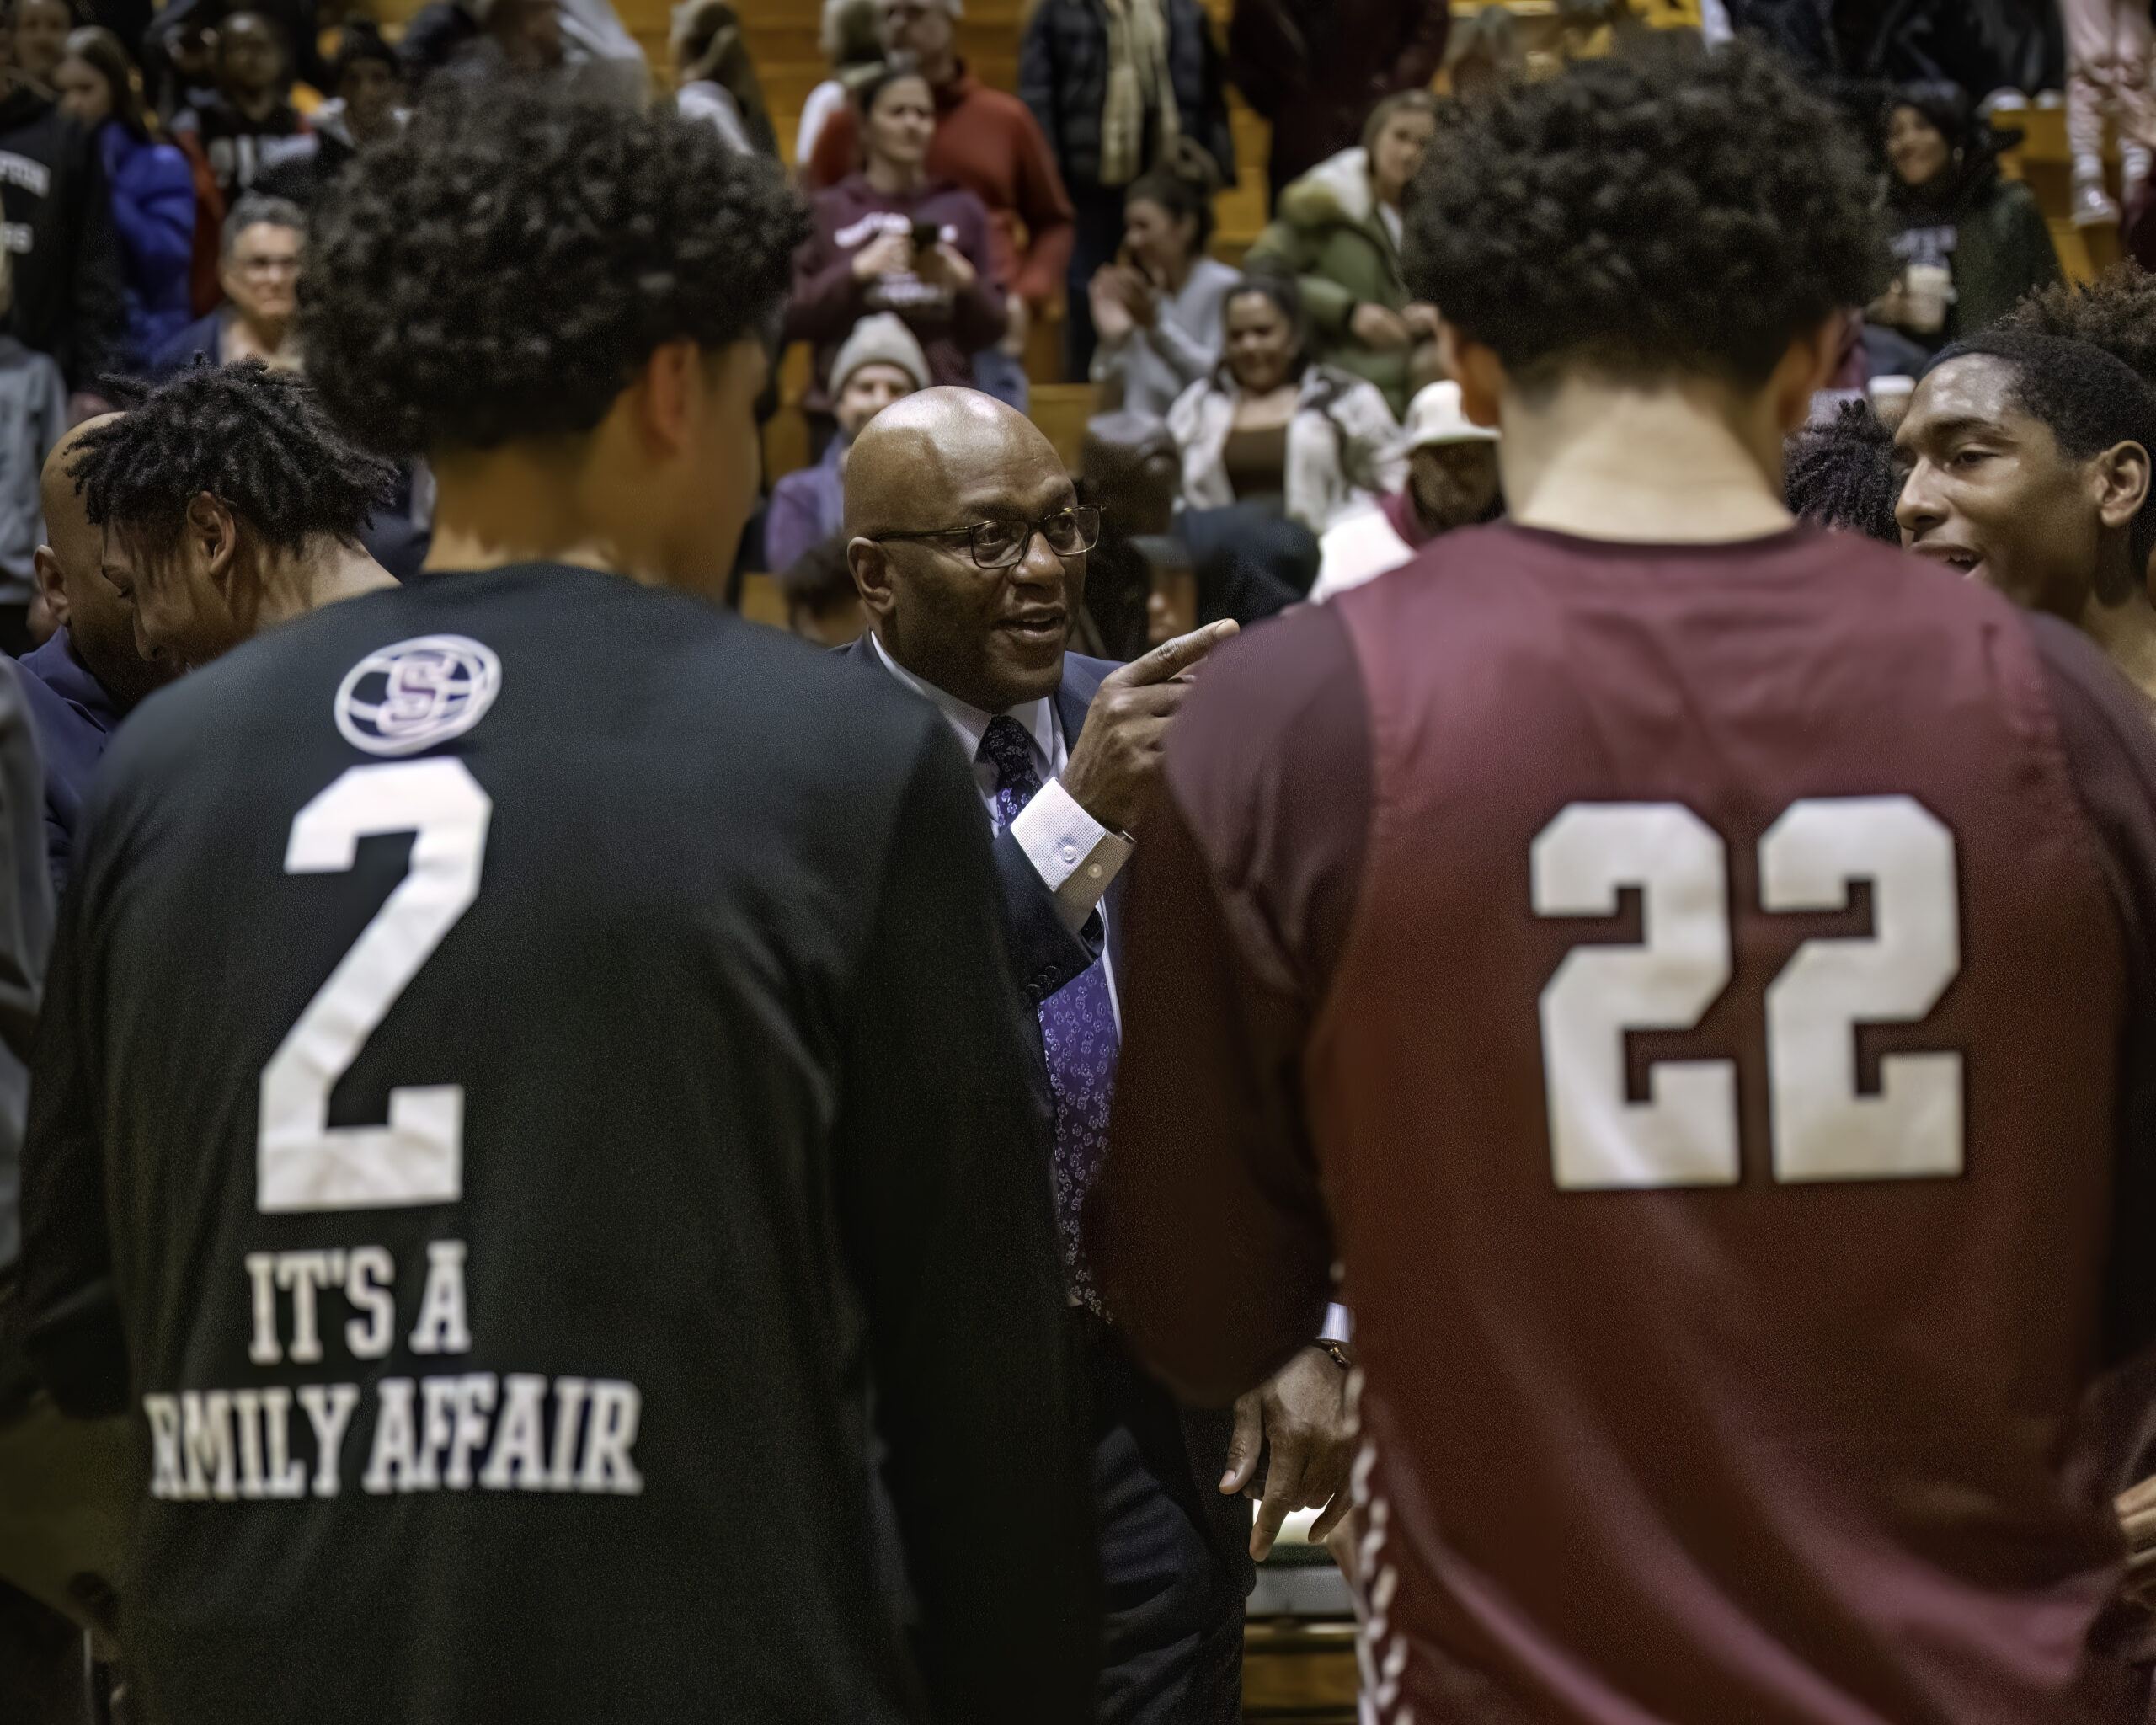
pixel 1073 853
pixel 1075 856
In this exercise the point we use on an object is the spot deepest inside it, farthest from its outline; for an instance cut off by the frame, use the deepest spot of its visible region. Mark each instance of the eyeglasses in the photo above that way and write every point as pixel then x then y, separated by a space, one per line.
pixel 998 545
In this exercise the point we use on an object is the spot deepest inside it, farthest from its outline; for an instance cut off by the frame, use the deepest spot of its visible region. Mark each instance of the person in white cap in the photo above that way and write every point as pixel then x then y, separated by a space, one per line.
pixel 879 362
pixel 1452 480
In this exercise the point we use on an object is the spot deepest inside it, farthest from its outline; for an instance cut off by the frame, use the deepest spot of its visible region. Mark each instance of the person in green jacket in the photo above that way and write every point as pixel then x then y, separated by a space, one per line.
pixel 1337 229
pixel 1950 211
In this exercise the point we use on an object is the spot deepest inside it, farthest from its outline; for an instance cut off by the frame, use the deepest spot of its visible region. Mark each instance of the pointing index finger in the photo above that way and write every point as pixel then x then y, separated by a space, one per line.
pixel 1173 658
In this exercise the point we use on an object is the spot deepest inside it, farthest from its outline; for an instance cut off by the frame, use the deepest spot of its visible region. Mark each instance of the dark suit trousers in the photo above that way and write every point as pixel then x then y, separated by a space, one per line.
pixel 1174 1649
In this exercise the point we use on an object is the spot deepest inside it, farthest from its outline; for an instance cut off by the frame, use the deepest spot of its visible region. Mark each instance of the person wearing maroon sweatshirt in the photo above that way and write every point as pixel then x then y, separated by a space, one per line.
pixel 988 142
pixel 864 257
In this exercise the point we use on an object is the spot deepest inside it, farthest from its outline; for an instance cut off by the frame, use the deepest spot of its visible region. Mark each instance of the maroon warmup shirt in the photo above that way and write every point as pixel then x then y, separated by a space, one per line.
pixel 1700 994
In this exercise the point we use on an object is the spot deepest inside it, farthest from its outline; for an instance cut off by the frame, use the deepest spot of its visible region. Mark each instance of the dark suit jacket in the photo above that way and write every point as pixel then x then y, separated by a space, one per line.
pixel 1045 954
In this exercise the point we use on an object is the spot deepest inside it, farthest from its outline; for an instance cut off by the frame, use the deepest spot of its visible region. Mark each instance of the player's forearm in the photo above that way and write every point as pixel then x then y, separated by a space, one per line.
pixel 1215 1277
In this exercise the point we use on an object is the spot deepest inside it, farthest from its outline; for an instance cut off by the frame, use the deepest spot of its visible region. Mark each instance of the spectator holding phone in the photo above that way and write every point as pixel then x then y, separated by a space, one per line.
pixel 891 239
pixel 1157 309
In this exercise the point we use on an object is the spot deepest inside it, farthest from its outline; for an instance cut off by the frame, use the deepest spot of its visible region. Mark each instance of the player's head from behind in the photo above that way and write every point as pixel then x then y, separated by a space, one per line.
pixel 565 303
pixel 1842 474
pixel 226 500
pixel 2027 458
pixel 1666 218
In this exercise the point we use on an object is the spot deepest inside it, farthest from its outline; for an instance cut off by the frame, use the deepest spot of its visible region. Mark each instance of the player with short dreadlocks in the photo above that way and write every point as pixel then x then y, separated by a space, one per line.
pixel 1841 474
pixel 1677 973
pixel 611 1077
pixel 229 502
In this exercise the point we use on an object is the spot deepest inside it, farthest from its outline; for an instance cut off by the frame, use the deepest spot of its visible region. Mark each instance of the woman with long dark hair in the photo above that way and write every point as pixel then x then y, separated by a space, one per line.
pixel 1272 430
pixel 1967 244
pixel 152 187
pixel 1156 309
pixel 716 80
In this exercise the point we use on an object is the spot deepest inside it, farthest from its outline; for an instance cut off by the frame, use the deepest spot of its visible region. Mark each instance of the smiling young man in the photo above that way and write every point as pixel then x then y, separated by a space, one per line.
pixel 1689 970
pixel 2028 460
pixel 610 1102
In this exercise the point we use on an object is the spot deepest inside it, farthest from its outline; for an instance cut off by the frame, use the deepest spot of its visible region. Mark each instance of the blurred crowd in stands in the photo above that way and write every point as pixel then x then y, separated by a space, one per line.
pixel 1293 381
pixel 158 166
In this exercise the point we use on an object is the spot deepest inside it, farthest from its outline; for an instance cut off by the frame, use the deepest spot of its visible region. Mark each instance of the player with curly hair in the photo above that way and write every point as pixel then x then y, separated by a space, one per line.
pixel 228 502
pixel 608 1077
pixel 2116 312
pixel 1671 969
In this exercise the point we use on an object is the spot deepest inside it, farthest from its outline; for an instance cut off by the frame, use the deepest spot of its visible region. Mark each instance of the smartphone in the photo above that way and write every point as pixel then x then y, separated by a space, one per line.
pixel 926 235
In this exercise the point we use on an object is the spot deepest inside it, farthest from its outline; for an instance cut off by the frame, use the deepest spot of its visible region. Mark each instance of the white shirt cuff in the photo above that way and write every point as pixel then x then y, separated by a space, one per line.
pixel 1073 853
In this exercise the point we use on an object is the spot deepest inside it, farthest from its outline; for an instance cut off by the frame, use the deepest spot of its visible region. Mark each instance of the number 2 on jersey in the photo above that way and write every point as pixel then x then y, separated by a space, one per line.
pixel 302 1163
pixel 1685 1133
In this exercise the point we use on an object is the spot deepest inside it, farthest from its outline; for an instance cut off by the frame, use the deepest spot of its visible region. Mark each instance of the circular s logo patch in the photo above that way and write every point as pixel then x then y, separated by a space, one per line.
pixel 399 700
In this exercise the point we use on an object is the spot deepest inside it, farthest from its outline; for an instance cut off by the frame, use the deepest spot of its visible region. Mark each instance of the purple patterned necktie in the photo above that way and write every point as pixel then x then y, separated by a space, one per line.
pixel 1078 1028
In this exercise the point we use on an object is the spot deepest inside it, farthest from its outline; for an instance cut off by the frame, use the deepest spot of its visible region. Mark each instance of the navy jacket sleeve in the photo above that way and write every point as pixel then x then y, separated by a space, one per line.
pixel 1045 954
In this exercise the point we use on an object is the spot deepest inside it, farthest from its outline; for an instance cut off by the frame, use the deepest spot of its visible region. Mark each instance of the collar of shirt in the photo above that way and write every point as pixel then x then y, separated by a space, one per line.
pixel 1037 718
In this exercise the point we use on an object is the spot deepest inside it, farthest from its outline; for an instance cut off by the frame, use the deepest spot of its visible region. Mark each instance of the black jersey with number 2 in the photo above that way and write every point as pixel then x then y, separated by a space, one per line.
pixel 530 1063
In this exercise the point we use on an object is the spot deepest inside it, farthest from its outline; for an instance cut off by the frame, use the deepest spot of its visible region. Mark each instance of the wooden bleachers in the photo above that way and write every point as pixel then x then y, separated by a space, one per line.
pixel 2044 161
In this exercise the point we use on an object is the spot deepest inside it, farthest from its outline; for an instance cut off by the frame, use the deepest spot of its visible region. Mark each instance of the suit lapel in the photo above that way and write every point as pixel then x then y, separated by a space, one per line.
pixel 1074 699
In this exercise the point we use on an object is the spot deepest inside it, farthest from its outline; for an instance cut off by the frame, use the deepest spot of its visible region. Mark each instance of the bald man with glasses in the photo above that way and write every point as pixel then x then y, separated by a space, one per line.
pixel 968 545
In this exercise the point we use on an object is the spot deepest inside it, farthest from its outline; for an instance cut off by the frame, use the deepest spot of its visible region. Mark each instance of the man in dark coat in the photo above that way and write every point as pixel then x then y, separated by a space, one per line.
pixel 1315 68
pixel 1063 76
pixel 969 548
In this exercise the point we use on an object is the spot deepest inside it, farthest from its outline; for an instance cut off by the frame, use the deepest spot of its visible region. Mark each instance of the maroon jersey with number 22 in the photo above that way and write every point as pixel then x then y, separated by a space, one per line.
pixel 1697 994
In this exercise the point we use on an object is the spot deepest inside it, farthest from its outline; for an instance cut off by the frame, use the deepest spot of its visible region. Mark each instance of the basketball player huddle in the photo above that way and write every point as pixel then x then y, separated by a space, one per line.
pixel 1683 979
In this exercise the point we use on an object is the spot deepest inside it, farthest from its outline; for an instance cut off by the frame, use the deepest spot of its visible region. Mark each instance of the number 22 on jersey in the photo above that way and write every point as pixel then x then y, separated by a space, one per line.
pixel 1685 1133
pixel 302 1163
